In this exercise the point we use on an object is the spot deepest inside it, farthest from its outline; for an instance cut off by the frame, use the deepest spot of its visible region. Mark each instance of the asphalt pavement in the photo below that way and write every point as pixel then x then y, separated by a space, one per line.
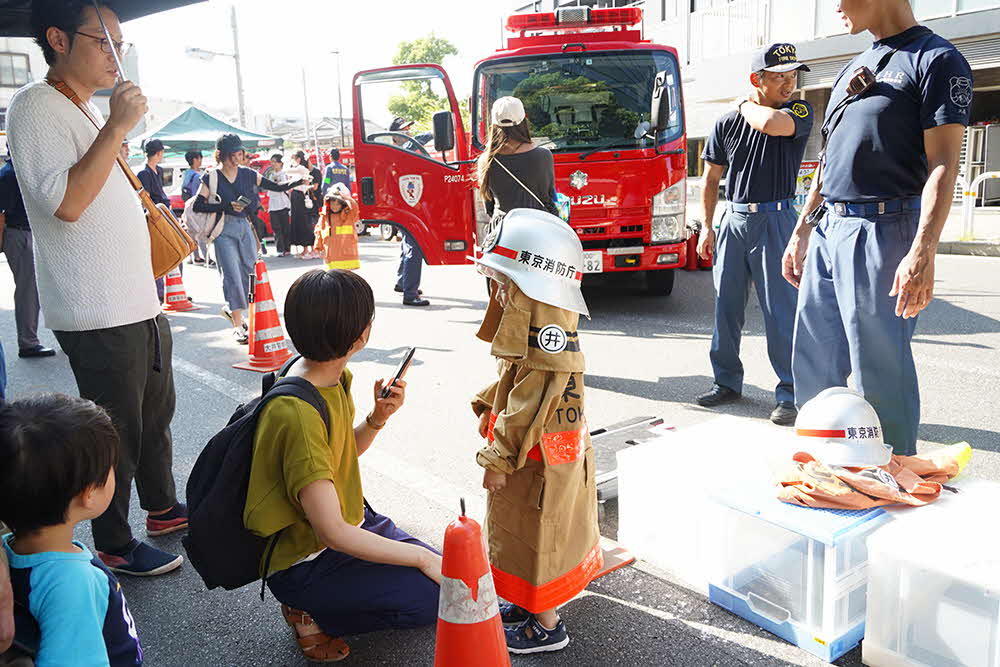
pixel 645 356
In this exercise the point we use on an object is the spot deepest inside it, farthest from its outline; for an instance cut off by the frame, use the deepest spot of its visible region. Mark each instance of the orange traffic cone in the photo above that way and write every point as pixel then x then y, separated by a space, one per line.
pixel 469 631
pixel 175 299
pixel 268 347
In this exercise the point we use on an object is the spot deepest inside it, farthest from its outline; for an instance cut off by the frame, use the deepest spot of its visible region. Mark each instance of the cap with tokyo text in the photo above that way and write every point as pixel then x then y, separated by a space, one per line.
pixel 777 58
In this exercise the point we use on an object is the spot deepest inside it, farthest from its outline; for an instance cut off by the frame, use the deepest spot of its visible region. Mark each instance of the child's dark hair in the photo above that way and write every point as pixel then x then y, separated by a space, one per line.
pixel 191 156
pixel 326 311
pixel 52 448
pixel 67 15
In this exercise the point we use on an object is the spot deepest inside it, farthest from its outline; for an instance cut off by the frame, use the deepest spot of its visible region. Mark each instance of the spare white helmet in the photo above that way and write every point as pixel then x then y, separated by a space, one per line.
pixel 541 254
pixel 841 428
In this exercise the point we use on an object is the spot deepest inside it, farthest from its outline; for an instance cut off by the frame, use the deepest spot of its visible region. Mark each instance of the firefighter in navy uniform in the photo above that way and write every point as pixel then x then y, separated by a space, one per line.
pixel 863 251
pixel 762 143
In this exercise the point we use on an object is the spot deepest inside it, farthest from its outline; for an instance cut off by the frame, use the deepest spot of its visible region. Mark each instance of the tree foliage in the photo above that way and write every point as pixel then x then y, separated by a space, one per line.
pixel 418 101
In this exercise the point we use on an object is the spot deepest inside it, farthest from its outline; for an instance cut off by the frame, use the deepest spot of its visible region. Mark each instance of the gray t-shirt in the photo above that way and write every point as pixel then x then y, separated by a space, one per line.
pixel 534 168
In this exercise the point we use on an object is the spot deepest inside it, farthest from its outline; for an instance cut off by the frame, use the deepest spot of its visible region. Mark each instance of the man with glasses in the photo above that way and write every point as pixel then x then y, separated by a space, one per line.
pixel 92 256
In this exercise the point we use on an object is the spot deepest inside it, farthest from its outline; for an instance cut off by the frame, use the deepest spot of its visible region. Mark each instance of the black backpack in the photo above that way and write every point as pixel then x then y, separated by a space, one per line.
pixel 218 545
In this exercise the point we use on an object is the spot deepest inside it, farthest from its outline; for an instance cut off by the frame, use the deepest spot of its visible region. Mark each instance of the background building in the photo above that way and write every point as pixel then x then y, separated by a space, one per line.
pixel 21 62
pixel 715 39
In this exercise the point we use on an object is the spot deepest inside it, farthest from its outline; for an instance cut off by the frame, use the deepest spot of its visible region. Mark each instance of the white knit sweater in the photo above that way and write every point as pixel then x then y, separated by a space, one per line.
pixel 96 272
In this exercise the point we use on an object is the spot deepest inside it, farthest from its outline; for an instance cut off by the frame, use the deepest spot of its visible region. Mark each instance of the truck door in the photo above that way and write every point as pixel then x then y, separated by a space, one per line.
pixel 402 179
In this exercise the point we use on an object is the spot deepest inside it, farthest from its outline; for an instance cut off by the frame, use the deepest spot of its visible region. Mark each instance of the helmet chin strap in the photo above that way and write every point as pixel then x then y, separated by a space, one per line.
pixel 114 49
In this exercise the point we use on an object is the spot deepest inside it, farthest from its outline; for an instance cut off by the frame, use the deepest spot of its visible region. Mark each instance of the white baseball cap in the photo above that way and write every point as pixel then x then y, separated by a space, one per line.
pixel 508 111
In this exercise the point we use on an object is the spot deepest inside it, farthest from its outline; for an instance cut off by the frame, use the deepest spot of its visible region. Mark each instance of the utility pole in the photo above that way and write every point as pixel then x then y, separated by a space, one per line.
pixel 340 102
pixel 239 71
pixel 305 100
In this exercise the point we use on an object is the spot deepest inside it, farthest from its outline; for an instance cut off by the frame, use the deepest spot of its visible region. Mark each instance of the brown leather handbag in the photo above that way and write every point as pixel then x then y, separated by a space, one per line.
pixel 168 241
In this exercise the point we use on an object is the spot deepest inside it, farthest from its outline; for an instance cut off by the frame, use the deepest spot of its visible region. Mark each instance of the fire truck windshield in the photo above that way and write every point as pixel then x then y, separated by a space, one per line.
pixel 580 101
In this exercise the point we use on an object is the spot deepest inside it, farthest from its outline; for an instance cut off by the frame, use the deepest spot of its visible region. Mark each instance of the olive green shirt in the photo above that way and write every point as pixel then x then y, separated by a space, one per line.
pixel 292 449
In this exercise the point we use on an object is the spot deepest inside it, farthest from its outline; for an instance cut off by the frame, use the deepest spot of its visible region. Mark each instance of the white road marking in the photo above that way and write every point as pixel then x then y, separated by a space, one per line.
pixel 227 388
pixel 418 480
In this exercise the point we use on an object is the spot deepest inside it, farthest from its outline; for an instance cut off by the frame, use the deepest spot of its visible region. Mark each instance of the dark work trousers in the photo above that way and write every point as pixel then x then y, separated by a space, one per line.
pixel 17 245
pixel 847 325
pixel 127 370
pixel 282 228
pixel 411 264
pixel 748 249
pixel 349 596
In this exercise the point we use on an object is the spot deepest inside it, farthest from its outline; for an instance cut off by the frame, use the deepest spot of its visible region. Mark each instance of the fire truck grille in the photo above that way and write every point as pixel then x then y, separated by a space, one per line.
pixel 631 229
pixel 604 244
pixel 580 213
pixel 591 230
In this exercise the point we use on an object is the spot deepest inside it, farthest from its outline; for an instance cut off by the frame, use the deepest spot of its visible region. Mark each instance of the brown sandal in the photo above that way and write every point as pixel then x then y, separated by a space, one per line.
pixel 318 647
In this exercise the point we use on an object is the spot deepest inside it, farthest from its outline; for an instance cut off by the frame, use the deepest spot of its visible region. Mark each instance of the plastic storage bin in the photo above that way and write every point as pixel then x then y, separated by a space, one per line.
pixel 798 573
pixel 934 585
pixel 664 489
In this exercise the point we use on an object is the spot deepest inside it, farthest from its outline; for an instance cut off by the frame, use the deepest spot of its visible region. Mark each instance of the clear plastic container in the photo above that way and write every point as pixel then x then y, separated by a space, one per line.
pixel 664 490
pixel 934 585
pixel 798 573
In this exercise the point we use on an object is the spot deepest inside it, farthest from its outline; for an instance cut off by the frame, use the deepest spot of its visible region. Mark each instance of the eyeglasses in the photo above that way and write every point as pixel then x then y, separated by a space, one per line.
pixel 123 47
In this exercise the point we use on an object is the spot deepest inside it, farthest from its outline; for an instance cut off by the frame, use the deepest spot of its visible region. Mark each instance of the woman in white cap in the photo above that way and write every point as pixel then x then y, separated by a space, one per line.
pixel 514 172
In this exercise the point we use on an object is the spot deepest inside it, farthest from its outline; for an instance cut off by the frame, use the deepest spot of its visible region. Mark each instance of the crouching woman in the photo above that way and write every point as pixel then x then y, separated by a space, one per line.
pixel 338 567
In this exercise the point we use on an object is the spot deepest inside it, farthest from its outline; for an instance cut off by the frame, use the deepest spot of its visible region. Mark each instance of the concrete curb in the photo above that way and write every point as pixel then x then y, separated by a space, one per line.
pixel 975 248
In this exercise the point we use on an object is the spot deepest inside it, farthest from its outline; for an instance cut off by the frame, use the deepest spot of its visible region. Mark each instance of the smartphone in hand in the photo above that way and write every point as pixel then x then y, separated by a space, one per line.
pixel 400 371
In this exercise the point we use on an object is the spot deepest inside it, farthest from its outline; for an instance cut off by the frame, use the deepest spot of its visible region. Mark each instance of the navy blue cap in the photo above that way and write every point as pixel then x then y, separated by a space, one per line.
pixel 777 58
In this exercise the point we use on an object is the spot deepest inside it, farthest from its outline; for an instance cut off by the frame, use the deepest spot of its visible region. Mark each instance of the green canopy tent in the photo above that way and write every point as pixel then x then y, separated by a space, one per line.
pixel 197 130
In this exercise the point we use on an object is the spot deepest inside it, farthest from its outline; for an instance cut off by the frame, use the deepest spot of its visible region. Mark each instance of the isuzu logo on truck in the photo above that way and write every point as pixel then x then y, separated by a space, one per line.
pixel 587 199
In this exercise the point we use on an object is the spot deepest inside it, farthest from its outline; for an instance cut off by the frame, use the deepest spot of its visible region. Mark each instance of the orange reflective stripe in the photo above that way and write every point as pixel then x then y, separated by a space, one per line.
pixel 821 433
pixel 562 589
pixel 561 447
pixel 489 429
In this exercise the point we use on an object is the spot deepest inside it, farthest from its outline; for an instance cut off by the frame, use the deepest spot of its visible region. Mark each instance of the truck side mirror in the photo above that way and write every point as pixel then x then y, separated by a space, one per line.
pixel 659 108
pixel 444 131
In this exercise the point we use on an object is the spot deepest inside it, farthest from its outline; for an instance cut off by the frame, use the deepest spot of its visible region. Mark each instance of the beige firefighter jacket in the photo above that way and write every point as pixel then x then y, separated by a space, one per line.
pixel 543 535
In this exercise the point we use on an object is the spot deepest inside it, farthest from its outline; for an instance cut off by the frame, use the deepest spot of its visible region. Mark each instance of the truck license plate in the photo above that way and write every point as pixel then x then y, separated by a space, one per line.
pixel 593 261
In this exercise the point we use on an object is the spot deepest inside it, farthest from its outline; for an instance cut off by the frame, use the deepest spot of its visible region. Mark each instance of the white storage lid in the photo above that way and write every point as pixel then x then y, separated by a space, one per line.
pixel 957 535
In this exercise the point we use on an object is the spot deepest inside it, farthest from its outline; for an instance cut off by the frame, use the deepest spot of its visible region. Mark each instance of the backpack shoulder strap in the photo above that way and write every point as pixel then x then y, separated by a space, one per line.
pixel 213 182
pixel 301 389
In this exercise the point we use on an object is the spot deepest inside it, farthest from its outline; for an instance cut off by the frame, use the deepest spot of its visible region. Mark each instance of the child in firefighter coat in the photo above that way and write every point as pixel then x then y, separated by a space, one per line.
pixel 336 237
pixel 541 519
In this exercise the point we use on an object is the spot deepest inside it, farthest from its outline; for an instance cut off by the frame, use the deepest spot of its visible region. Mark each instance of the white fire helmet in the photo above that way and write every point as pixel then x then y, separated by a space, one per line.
pixel 540 253
pixel 843 429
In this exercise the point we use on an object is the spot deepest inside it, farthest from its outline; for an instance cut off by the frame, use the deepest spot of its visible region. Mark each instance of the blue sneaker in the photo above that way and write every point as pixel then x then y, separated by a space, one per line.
pixel 511 614
pixel 140 560
pixel 531 637
pixel 163 524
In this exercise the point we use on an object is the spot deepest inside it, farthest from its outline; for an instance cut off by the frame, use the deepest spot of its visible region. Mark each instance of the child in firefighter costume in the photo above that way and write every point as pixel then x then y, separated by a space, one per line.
pixel 541 518
pixel 336 239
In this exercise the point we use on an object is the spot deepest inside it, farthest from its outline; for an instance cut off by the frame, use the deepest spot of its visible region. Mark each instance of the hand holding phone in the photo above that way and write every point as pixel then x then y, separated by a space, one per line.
pixel 400 372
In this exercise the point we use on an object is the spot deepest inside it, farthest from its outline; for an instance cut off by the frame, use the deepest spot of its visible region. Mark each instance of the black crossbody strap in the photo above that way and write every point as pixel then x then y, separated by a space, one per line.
pixel 835 116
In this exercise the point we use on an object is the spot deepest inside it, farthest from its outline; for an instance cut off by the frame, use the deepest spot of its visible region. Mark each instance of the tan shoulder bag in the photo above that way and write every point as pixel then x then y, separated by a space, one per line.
pixel 169 243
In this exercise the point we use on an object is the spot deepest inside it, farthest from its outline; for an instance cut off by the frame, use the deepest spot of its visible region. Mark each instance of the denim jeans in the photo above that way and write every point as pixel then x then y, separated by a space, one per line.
pixel 236 254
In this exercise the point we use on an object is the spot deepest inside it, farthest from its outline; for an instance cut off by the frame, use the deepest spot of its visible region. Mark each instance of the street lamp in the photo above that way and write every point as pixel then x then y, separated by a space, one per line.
pixel 340 103
pixel 206 55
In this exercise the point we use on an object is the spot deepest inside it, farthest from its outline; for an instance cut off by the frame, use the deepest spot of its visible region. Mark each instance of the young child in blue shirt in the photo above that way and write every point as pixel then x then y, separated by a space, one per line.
pixel 57 461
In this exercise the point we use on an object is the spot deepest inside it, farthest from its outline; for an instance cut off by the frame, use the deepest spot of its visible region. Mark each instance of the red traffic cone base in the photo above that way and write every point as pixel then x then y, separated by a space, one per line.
pixel 175 299
pixel 268 347
pixel 469 631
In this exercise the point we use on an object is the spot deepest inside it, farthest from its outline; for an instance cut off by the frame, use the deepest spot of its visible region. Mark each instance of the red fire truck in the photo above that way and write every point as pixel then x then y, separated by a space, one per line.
pixel 605 101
